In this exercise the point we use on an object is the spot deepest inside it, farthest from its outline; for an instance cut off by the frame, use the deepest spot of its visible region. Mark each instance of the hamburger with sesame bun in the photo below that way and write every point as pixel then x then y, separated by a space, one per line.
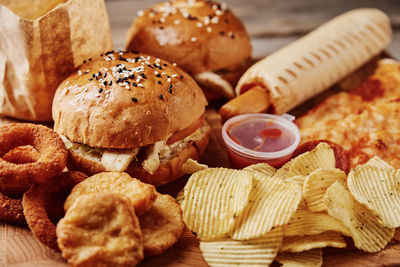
pixel 203 37
pixel 131 112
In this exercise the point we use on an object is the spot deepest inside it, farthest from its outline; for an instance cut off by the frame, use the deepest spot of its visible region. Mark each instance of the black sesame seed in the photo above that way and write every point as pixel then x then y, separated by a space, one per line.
pixel 134 99
pixel 150 66
pixel 109 52
pixel 118 80
pixel 86 72
pixel 90 79
pixel 122 59
pixel 143 75
pixel 222 32
pixel 94 75
pixel 110 83
pixel 84 61
pixel 161 28
pixel 137 59
pixel 124 68
pixel 134 84
pixel 100 90
pixel 155 65
pixel 135 52
pixel 165 64
pixel 170 90
pixel 233 36
pixel 124 79
pixel 161 97
pixel 170 86
pixel 168 76
pixel 181 76
pixel 158 75
pixel 105 83
pixel 99 73
pixel 105 74
pixel 127 82
pixel 90 59
pixel 159 82
pixel 132 76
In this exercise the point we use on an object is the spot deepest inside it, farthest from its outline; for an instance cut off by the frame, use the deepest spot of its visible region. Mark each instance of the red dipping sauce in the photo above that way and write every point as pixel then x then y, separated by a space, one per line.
pixel 255 138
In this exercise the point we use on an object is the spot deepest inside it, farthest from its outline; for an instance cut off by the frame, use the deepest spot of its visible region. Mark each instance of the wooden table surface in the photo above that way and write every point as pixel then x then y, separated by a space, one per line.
pixel 270 23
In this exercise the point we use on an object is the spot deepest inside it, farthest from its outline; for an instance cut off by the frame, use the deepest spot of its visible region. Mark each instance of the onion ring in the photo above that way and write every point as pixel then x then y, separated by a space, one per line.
pixel 341 156
pixel 17 178
pixel 11 209
pixel 22 154
pixel 38 197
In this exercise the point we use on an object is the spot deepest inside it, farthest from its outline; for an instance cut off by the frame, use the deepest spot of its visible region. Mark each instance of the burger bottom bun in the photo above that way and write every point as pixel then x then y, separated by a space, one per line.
pixel 167 172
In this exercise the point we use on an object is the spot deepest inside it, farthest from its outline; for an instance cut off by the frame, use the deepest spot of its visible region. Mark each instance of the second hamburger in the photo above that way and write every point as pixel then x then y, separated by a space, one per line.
pixel 131 112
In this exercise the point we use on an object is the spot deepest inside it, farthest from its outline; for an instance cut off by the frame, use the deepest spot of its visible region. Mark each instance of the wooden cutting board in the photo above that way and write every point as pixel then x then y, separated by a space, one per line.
pixel 19 248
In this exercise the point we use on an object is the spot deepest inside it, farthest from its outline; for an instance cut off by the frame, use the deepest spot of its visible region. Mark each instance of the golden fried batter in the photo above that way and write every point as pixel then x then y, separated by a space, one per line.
pixel 140 194
pixel 162 225
pixel 100 229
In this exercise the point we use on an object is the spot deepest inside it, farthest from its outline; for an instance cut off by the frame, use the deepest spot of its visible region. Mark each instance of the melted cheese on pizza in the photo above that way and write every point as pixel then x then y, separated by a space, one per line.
pixel 364 121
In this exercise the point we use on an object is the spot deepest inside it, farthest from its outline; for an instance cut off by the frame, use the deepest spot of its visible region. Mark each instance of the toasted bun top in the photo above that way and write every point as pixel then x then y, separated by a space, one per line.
pixel 125 100
pixel 198 35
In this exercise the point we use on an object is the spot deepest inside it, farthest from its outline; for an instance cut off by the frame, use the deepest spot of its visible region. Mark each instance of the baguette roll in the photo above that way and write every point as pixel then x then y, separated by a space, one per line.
pixel 315 62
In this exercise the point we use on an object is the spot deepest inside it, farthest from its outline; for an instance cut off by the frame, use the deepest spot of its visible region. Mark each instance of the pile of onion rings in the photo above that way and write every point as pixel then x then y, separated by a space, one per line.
pixel 29 154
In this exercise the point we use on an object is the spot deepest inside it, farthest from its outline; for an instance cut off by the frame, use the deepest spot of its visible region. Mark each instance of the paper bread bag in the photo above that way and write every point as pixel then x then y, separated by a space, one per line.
pixel 41 42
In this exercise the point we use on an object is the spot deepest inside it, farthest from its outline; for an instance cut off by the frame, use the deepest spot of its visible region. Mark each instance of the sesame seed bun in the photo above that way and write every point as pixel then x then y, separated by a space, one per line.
pixel 199 36
pixel 126 100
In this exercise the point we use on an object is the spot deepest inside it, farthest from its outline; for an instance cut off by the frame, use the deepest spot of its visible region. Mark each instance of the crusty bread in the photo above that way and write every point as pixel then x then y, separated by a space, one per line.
pixel 313 63
pixel 197 35
pixel 167 172
pixel 91 108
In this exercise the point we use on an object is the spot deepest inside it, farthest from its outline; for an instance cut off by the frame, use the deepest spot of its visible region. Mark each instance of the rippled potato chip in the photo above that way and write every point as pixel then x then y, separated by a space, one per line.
pixel 308 258
pixel 301 243
pixel 255 252
pixel 262 168
pixel 283 172
pixel 321 157
pixel 316 184
pixel 378 162
pixel 191 166
pixel 214 198
pixel 379 189
pixel 306 222
pixel 367 232
pixel 298 179
pixel 272 203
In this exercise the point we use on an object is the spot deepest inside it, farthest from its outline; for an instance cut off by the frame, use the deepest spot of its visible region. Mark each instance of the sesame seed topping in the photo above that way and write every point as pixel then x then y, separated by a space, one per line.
pixel 193 39
pixel 140 13
pixel 181 76
pixel 162 20
pixel 170 86
pixel 140 85
pixel 110 83
pixel 209 29
pixel 170 90
pixel 100 90
pixel 199 24
pixel 84 61
pixel 79 72
pixel 90 79
pixel 177 21
pixel 215 20
pixel 159 82
pixel 161 96
pixel 105 83
pixel 169 80
pixel 134 99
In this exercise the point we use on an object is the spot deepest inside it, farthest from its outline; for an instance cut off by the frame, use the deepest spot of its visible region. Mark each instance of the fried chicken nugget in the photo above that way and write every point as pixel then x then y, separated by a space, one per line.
pixel 162 225
pixel 141 195
pixel 100 229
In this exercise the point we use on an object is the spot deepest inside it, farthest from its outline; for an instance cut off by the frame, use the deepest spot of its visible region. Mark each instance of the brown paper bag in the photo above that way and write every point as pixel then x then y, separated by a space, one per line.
pixel 41 42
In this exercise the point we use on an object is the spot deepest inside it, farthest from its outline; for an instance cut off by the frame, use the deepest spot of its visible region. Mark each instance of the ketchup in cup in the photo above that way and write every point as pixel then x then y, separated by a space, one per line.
pixel 255 138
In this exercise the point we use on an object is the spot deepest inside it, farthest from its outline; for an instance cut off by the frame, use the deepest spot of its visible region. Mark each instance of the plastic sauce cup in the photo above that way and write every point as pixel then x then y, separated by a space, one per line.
pixel 256 138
